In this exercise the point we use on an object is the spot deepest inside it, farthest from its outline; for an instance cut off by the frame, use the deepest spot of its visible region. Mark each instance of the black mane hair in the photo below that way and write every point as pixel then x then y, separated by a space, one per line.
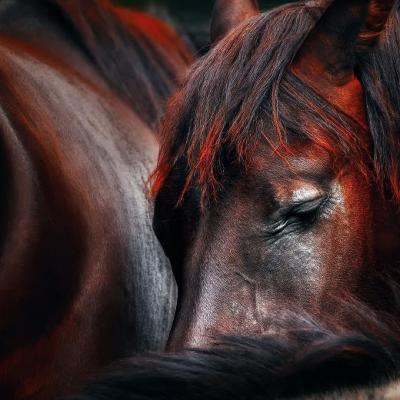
pixel 307 358
pixel 379 72
pixel 141 57
pixel 245 368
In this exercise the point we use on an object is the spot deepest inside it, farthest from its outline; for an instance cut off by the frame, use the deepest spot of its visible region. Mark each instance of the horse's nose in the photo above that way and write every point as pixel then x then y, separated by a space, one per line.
pixel 202 326
pixel 214 310
pixel 178 342
pixel 188 333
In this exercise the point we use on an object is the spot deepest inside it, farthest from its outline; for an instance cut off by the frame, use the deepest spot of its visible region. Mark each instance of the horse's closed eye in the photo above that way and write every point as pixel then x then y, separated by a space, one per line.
pixel 308 209
pixel 296 217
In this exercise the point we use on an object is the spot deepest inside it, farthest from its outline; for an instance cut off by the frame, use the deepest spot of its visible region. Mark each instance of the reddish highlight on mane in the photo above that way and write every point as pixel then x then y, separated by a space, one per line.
pixel 243 93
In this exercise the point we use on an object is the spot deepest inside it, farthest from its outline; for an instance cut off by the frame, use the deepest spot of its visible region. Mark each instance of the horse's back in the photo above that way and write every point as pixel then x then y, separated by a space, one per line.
pixel 84 281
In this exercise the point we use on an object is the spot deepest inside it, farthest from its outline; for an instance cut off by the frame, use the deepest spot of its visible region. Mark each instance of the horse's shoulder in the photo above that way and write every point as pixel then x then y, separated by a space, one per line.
pixel 85 131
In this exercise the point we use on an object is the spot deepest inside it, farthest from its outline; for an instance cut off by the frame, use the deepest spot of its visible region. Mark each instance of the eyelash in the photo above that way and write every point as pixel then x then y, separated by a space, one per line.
pixel 296 218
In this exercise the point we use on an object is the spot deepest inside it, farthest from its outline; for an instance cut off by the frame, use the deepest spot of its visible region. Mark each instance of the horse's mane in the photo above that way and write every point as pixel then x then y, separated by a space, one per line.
pixel 380 74
pixel 246 368
pixel 305 358
pixel 141 57
pixel 241 92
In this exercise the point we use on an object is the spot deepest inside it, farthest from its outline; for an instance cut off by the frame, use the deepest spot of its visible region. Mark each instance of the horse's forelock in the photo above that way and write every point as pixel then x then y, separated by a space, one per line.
pixel 237 96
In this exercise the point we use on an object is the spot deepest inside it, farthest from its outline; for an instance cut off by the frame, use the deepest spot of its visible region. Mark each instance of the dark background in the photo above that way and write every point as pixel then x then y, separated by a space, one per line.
pixel 195 6
pixel 191 17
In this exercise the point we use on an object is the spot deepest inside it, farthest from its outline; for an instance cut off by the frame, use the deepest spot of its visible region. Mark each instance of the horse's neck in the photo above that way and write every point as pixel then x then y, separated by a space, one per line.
pixel 38 24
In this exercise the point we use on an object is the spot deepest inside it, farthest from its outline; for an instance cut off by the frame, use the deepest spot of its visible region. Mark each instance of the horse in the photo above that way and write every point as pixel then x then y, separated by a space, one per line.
pixel 275 194
pixel 276 181
pixel 83 279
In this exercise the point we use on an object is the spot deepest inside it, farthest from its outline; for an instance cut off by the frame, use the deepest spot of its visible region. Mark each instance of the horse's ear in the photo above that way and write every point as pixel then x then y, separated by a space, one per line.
pixel 227 14
pixel 329 51
pixel 378 14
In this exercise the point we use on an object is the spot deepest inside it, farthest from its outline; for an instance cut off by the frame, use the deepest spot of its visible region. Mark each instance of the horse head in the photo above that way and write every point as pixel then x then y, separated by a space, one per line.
pixel 269 173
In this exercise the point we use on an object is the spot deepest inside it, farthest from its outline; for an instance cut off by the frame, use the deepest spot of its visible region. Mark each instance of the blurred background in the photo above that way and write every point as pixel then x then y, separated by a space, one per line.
pixel 190 17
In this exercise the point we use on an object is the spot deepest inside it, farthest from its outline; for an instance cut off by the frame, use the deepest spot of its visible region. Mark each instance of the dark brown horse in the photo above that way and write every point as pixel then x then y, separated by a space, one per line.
pixel 83 280
pixel 274 194
pixel 277 190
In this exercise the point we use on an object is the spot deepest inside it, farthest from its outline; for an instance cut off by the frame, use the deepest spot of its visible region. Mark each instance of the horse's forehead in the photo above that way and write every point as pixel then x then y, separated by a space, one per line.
pixel 347 97
pixel 305 173
pixel 304 159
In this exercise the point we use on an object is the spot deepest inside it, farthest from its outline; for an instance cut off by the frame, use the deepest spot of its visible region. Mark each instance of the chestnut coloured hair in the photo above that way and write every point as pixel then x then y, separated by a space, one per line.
pixel 73 159
pixel 242 93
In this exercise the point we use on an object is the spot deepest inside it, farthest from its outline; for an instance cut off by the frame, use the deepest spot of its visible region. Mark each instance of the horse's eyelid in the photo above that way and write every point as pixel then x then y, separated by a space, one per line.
pixel 301 207
pixel 282 221
pixel 310 205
